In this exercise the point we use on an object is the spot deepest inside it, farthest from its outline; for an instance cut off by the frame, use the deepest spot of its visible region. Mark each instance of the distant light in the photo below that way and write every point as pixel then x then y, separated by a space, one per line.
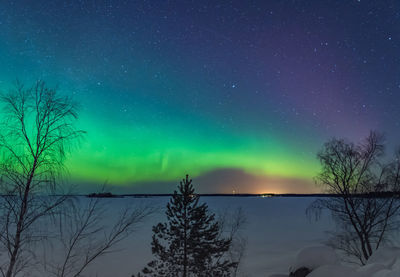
pixel 264 195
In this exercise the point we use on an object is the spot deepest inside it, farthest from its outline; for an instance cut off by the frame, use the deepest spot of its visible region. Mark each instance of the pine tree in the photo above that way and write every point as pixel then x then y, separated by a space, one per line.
pixel 189 243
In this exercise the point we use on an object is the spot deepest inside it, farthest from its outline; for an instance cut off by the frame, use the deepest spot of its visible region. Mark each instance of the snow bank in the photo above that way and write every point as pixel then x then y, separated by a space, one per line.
pixel 387 273
pixel 324 262
pixel 388 258
pixel 385 256
pixel 314 257
pixel 371 269
pixel 336 271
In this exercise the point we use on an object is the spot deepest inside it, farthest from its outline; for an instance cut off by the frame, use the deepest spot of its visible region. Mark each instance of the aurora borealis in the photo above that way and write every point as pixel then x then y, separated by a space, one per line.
pixel 239 94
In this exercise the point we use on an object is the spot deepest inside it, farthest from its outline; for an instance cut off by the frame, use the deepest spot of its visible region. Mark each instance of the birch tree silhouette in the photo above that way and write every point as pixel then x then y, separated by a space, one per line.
pixel 37 132
pixel 366 200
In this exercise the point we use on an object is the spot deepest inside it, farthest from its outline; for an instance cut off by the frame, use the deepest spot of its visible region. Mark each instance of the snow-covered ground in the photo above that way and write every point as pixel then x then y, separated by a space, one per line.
pixel 277 228
pixel 324 262
pixel 280 238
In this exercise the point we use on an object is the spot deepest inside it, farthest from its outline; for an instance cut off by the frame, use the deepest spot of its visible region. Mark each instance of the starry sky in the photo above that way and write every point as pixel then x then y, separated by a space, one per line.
pixel 239 94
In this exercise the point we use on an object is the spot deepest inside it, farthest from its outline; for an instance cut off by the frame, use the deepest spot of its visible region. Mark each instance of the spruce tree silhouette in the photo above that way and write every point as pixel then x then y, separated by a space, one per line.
pixel 190 243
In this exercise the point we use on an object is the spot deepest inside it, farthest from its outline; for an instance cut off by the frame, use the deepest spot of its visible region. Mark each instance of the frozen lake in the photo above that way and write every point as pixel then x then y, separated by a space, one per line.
pixel 276 229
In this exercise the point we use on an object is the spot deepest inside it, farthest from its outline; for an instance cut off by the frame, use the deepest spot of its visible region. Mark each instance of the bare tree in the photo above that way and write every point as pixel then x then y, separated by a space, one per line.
pixel 231 226
pixel 37 132
pixel 86 233
pixel 365 200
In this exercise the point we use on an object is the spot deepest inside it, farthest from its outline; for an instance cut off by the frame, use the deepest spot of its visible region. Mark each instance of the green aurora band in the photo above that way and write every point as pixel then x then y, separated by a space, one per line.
pixel 168 89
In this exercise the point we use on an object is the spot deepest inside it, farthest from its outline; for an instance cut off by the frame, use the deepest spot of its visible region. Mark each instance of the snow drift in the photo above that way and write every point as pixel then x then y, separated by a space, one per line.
pixel 324 262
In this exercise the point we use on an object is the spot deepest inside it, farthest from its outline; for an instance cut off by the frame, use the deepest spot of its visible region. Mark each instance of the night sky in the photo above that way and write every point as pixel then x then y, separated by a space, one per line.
pixel 239 94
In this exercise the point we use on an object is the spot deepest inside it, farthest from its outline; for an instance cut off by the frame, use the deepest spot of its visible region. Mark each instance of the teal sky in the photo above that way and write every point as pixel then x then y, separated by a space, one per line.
pixel 241 96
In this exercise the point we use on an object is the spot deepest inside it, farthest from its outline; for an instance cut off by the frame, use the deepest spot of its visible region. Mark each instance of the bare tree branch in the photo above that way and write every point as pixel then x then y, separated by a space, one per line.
pixel 38 128
pixel 365 204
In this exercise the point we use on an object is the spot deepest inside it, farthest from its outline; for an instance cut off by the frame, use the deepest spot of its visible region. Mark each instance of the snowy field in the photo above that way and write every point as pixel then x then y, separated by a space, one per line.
pixel 276 229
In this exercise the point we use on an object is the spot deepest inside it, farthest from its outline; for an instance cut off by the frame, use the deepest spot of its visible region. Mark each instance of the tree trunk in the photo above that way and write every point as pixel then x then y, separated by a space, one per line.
pixel 17 243
pixel 18 232
pixel 185 261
